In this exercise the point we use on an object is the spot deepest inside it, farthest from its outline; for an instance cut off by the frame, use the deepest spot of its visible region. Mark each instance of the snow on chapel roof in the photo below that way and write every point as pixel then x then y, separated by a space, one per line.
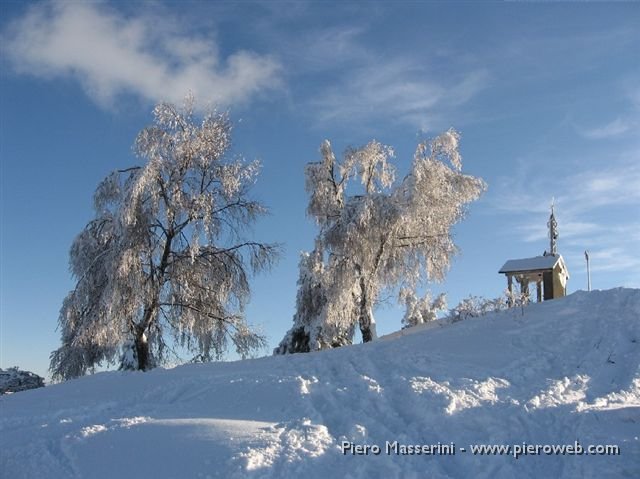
pixel 530 264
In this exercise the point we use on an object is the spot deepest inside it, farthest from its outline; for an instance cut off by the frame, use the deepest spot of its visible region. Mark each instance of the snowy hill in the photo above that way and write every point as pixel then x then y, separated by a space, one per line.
pixel 567 370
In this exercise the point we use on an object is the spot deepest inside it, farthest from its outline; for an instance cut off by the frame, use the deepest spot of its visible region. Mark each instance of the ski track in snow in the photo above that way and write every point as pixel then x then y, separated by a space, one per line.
pixel 564 370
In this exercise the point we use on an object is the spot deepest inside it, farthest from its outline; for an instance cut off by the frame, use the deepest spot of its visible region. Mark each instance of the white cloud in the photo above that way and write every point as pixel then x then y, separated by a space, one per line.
pixel 607 186
pixel 147 55
pixel 597 210
pixel 362 84
pixel 327 48
pixel 584 191
pixel 632 90
pixel 402 90
pixel 611 129
pixel 609 259
pixel 538 232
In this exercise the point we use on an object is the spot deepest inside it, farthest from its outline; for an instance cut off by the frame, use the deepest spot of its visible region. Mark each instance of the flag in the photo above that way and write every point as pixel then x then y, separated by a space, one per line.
pixel 586 255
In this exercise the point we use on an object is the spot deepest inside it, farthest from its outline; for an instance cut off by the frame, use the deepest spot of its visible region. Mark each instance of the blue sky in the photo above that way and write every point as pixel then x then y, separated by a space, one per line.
pixel 545 95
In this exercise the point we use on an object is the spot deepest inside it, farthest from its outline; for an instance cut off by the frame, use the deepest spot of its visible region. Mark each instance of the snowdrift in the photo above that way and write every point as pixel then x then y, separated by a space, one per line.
pixel 566 372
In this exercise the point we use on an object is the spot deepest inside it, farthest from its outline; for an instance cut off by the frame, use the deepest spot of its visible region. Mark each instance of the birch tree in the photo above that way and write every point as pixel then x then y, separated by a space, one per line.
pixel 393 234
pixel 166 257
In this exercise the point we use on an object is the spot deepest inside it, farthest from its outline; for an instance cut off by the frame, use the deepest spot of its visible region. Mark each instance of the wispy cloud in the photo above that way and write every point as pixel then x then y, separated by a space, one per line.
pixel 395 89
pixel 538 232
pixel 332 47
pixel 617 184
pixel 615 128
pixel 597 210
pixel 365 84
pixel 634 96
pixel 146 55
pixel 608 259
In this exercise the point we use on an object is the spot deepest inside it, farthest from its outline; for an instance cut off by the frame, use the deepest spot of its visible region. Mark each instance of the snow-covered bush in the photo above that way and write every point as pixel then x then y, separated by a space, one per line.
pixel 517 299
pixel 421 310
pixel 474 306
pixel 13 380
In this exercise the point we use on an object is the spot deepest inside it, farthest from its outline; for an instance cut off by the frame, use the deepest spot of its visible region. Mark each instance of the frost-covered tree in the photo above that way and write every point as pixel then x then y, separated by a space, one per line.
pixel 310 302
pixel 165 255
pixel 392 234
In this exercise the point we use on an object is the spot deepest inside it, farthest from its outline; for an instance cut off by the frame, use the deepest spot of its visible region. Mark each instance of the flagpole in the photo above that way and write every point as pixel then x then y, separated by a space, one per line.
pixel 586 256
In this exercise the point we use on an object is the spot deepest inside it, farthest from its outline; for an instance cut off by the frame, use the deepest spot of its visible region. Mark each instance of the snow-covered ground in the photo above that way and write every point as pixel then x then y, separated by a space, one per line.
pixel 566 370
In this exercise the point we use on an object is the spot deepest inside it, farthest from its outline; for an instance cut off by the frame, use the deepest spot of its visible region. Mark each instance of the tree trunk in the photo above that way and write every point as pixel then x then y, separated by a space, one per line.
pixel 142 350
pixel 150 312
pixel 367 328
pixel 365 318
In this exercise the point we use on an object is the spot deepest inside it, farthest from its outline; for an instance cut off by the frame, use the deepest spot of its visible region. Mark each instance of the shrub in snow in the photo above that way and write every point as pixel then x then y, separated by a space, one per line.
pixel 475 306
pixel 421 310
pixel 517 299
pixel 389 234
pixel 13 380
pixel 165 254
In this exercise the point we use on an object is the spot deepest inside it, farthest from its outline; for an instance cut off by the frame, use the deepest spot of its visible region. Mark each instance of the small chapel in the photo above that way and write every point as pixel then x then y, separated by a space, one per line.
pixel 548 272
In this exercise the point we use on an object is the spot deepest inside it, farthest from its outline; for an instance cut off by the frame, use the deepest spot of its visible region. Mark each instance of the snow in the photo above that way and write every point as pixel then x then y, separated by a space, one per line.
pixel 530 264
pixel 566 370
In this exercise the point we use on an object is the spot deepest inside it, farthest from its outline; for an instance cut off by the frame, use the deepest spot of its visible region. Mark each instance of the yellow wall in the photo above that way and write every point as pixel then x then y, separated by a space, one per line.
pixel 559 282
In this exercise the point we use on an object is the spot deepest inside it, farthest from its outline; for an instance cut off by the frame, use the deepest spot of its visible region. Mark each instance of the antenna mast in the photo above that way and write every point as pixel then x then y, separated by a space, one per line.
pixel 553 231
